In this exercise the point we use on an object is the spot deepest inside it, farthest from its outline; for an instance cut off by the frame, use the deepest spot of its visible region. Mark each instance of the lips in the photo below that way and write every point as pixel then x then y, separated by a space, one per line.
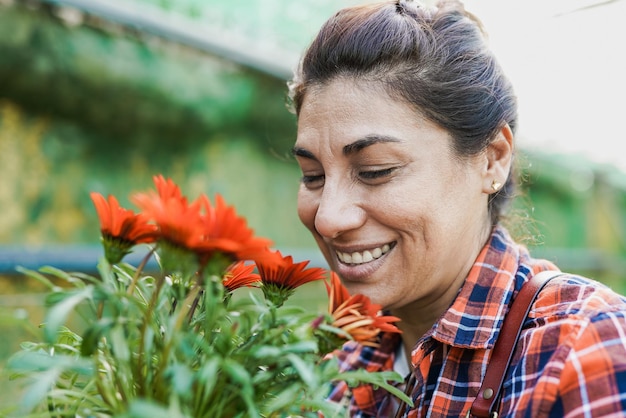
pixel 362 257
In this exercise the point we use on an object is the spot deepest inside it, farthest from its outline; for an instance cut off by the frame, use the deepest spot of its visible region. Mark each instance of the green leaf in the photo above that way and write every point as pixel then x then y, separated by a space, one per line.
pixel 119 343
pixel 60 274
pixel 37 276
pixel 283 399
pixel 37 392
pixel 266 351
pixel 325 408
pixel 125 270
pixel 92 336
pixel 207 376
pixel 86 277
pixel 57 315
pixel 146 409
pixel 242 378
pixel 182 379
pixel 238 374
pixel 380 379
pixel 106 272
pixel 40 361
pixel 301 347
pixel 307 375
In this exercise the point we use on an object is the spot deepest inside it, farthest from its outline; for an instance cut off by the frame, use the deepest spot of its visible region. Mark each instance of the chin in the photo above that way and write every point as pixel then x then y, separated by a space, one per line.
pixel 366 290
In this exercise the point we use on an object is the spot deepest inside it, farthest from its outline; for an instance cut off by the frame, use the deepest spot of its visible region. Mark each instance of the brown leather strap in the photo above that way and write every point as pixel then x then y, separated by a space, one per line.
pixel 486 403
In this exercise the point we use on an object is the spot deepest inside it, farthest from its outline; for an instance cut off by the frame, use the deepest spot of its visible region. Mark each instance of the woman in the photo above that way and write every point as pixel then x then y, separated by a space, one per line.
pixel 406 142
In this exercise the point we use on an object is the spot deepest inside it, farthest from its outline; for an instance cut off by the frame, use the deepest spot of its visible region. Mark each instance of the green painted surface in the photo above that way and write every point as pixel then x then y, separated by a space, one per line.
pixel 82 109
pixel 288 24
pixel 132 91
pixel 48 170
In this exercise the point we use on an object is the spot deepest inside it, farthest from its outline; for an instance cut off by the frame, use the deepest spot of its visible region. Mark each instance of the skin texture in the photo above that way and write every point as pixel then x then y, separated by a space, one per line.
pixel 376 172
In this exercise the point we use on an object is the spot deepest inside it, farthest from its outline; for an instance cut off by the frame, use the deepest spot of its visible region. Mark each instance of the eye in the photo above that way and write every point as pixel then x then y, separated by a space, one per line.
pixel 375 174
pixel 313 182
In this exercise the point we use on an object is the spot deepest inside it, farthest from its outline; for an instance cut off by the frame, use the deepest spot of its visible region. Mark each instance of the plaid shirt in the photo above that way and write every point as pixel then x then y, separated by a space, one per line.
pixel 570 360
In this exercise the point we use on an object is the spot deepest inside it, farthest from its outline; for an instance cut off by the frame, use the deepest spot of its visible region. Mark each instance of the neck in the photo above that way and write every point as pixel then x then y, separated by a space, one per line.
pixel 419 316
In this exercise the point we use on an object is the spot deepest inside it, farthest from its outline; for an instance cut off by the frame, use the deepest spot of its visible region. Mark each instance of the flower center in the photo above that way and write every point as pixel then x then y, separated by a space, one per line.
pixel 363 257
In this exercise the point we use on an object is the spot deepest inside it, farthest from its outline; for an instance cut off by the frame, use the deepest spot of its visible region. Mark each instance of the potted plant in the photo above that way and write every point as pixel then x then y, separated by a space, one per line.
pixel 184 340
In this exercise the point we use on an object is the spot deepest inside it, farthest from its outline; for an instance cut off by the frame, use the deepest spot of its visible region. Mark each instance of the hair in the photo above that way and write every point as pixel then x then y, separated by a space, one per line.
pixel 434 58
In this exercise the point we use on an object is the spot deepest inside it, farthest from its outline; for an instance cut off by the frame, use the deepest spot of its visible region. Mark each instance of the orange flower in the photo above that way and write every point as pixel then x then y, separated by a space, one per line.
pixel 167 189
pixel 123 224
pixel 210 232
pixel 179 222
pixel 281 276
pixel 121 228
pixel 227 233
pixel 356 315
pixel 282 271
pixel 240 275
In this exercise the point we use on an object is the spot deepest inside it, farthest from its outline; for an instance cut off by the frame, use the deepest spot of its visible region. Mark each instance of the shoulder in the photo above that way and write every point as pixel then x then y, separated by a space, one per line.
pixel 576 334
pixel 576 320
pixel 575 313
pixel 577 296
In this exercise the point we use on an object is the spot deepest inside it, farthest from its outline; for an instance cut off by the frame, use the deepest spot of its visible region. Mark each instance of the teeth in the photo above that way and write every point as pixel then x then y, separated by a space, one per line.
pixel 364 257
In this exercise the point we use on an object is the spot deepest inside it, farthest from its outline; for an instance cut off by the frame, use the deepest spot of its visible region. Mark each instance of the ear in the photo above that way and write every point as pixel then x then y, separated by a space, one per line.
pixel 499 155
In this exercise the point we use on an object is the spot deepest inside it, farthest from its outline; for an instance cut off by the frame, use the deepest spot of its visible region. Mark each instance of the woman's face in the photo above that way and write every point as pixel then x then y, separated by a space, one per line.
pixel 396 214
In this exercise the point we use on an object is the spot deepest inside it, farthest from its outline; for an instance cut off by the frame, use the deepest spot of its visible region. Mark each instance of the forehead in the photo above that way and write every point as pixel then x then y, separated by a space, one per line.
pixel 347 110
pixel 349 102
pixel 346 93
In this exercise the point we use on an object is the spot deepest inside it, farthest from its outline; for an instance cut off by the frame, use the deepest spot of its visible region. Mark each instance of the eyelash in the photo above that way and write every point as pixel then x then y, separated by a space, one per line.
pixel 370 175
pixel 311 179
pixel 367 175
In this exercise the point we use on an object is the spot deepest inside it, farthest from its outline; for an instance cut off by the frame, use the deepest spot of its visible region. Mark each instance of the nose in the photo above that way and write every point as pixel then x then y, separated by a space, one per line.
pixel 339 211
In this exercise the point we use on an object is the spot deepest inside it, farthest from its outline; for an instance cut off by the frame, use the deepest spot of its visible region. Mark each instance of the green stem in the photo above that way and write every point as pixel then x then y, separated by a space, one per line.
pixel 194 305
pixel 100 310
pixel 139 372
pixel 186 308
pixel 107 397
pixel 142 265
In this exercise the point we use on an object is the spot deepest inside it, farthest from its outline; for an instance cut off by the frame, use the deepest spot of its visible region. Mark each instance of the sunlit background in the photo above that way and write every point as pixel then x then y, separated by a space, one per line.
pixel 566 60
pixel 99 95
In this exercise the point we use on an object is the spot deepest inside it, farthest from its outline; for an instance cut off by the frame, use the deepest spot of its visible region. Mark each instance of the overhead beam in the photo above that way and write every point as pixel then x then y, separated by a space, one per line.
pixel 255 54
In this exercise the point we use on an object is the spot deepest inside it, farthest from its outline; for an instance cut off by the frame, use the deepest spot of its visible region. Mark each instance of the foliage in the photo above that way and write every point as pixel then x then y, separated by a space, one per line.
pixel 178 342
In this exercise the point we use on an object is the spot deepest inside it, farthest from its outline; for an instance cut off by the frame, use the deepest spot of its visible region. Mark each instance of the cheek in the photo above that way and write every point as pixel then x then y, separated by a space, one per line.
pixel 307 208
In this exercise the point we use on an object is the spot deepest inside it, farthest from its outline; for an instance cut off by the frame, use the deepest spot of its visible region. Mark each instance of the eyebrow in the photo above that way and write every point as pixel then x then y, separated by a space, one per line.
pixel 352 148
pixel 367 141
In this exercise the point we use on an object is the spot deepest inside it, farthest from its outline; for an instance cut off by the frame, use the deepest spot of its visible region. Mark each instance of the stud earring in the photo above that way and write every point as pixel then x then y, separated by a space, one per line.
pixel 495 185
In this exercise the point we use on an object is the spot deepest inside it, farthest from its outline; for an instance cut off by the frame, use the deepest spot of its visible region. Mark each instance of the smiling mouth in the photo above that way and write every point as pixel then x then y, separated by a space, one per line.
pixel 362 257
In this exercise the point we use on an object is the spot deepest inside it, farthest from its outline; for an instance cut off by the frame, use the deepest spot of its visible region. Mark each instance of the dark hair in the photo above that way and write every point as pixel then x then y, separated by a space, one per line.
pixel 435 58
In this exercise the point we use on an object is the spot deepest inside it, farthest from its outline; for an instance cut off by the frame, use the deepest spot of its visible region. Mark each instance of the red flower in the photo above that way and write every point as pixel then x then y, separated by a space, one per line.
pixel 357 315
pixel 167 189
pixel 240 275
pixel 280 276
pixel 179 222
pixel 227 233
pixel 199 227
pixel 121 228
pixel 123 224
pixel 283 272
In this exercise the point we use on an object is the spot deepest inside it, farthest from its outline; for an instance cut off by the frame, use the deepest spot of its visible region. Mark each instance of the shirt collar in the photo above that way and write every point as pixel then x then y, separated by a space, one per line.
pixel 475 317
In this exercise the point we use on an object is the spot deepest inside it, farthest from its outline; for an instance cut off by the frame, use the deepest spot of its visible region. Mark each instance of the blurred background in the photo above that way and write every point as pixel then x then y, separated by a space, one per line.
pixel 100 95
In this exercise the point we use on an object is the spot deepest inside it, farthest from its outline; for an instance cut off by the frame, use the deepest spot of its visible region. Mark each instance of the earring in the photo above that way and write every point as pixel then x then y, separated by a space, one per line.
pixel 495 185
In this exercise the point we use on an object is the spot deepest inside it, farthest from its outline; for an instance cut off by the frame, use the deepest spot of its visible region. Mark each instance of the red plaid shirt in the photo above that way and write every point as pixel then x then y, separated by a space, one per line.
pixel 570 360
